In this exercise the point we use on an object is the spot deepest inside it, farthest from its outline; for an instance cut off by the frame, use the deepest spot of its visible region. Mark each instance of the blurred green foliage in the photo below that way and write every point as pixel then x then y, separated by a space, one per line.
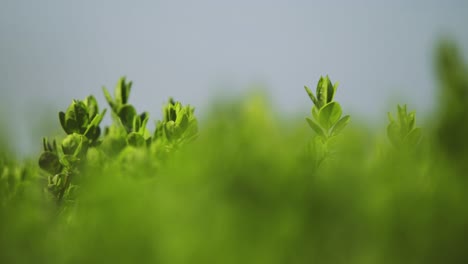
pixel 402 131
pixel 452 126
pixel 248 191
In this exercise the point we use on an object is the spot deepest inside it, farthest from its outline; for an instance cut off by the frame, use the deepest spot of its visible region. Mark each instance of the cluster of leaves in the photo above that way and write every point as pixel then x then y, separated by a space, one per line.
pixel 402 131
pixel 62 161
pixel 81 122
pixel 129 127
pixel 179 124
pixel 327 120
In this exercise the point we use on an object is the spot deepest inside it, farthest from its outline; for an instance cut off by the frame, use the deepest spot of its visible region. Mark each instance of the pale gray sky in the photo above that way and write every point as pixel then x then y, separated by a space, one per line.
pixel 52 51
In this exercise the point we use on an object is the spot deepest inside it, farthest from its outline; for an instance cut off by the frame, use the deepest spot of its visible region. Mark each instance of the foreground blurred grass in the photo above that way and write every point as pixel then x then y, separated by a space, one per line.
pixel 247 191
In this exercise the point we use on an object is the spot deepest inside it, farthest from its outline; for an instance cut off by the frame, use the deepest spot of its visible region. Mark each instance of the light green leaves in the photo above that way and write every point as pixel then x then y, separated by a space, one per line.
pixel 315 127
pixel 312 96
pixel 327 121
pixel 326 113
pixel 329 115
pixel 75 144
pixel 121 92
pixel 128 132
pixel 92 107
pixel 401 131
pixel 340 125
pixel 125 112
pixel 179 124
pixel 325 92
pixel 82 117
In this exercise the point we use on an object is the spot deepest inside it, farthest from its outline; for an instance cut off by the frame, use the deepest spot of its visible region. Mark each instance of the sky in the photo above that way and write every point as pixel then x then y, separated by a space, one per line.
pixel 381 53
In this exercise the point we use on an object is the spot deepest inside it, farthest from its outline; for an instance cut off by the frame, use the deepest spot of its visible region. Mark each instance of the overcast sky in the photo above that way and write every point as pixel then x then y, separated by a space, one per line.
pixel 379 51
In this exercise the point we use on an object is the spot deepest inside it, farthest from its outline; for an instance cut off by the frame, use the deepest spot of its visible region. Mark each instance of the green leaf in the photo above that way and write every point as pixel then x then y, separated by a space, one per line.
pixel 56 179
pixel 182 119
pixel 118 91
pixel 82 117
pixel 413 137
pixel 82 148
pixel 108 97
pixel 126 114
pixel 76 118
pixel 126 92
pixel 70 143
pixel 340 125
pixel 49 162
pixel 136 123
pixel 92 133
pixel 315 127
pixel 63 123
pixel 136 140
pixel 329 115
pixel 402 114
pixel 170 113
pixel 45 144
pixel 61 155
pixel 122 91
pixel 311 96
pixel 315 113
pixel 330 90
pixel 73 142
pixel 70 119
pixel 92 106
pixel 98 118
pixel 335 87
pixel 322 89
pixel 144 117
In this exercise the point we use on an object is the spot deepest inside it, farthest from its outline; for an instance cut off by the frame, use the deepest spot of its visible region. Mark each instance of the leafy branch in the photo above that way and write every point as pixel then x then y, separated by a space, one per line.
pixel 81 123
pixel 326 121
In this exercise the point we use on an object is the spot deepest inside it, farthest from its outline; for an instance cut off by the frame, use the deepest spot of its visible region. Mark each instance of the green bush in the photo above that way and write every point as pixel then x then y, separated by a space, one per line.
pixel 248 189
